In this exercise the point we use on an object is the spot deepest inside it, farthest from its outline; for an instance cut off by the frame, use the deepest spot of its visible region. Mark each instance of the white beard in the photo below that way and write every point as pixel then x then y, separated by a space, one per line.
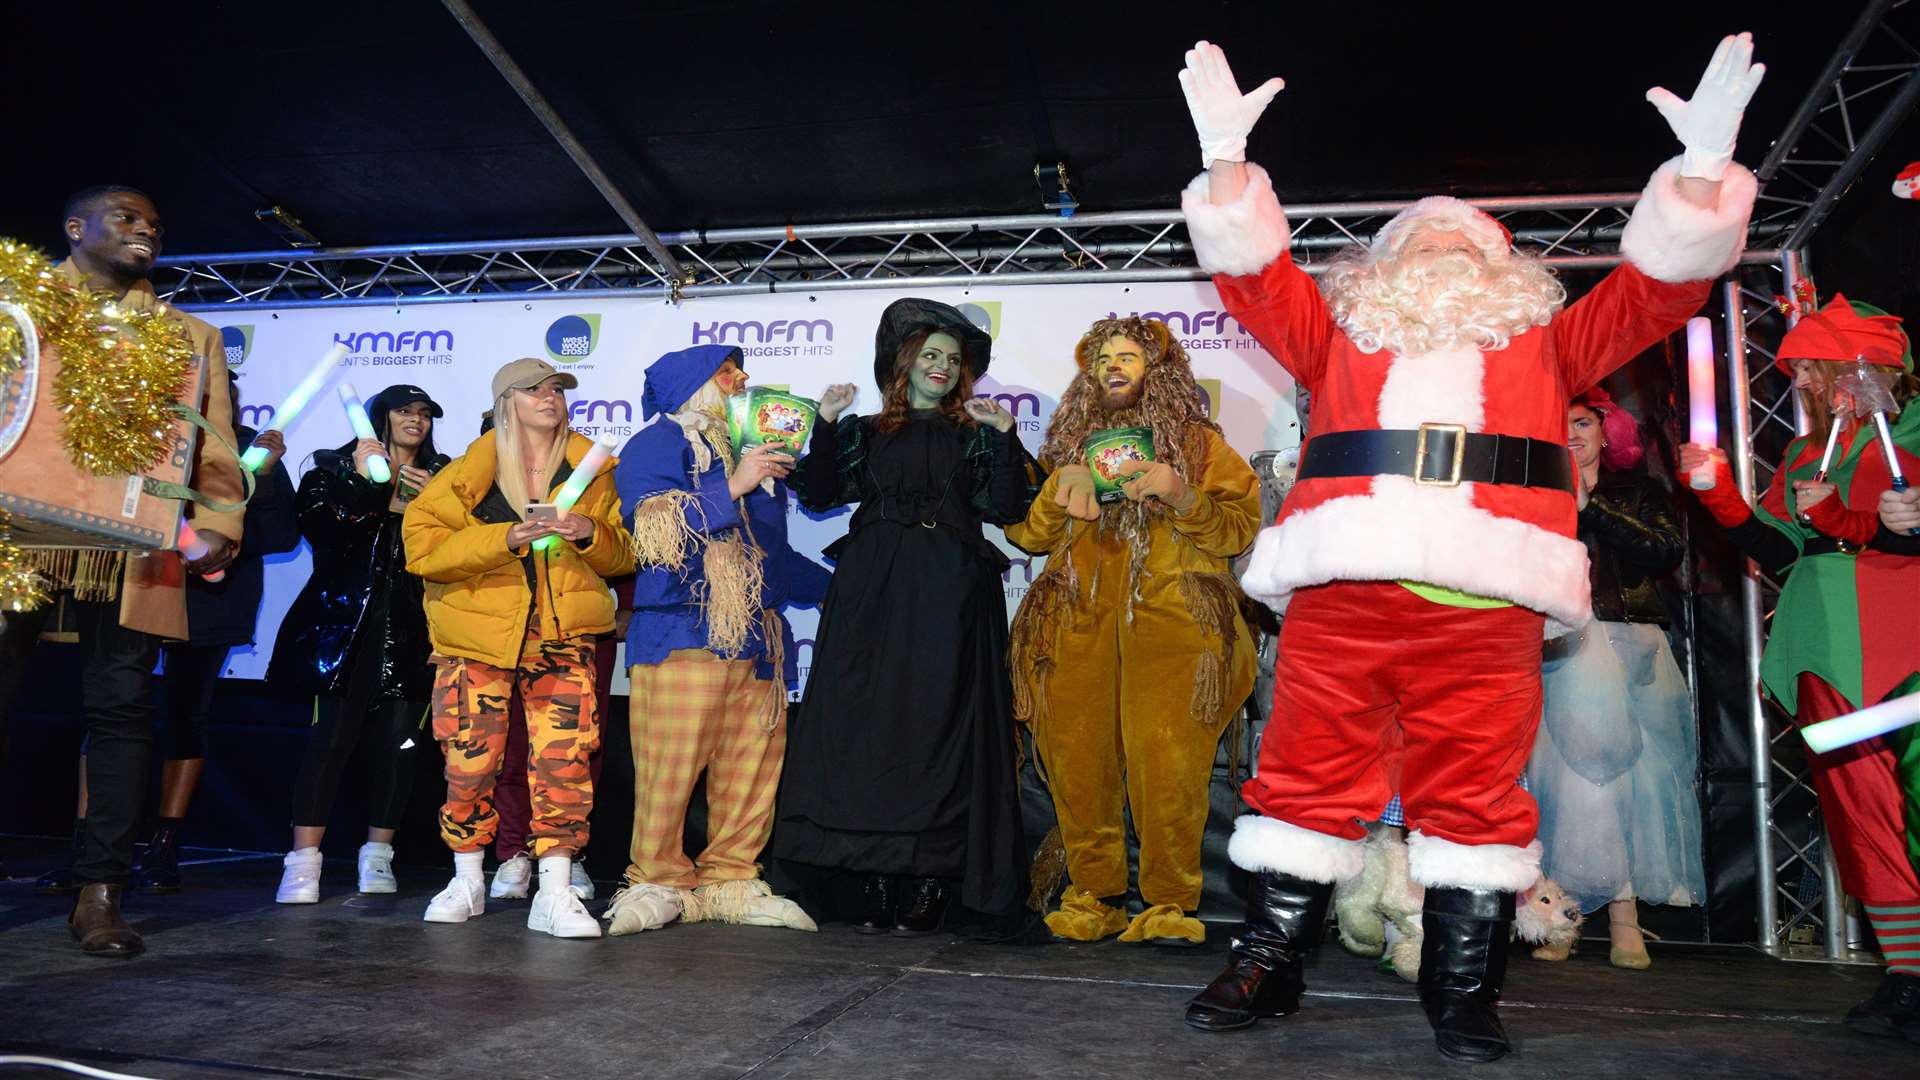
pixel 1411 309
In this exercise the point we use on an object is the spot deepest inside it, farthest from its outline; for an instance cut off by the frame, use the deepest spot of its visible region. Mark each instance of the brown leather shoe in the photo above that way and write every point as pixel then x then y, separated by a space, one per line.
pixel 98 927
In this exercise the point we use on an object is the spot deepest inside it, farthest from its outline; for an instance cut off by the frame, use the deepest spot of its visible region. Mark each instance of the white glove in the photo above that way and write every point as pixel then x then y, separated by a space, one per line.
pixel 1222 116
pixel 1707 124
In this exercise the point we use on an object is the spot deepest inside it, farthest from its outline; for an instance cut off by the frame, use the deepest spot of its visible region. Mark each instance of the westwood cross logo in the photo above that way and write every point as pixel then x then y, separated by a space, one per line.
pixel 984 314
pixel 572 338
pixel 238 342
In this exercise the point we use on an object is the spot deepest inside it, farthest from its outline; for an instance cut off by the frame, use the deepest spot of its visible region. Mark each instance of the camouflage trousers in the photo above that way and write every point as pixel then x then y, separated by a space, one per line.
pixel 696 713
pixel 470 706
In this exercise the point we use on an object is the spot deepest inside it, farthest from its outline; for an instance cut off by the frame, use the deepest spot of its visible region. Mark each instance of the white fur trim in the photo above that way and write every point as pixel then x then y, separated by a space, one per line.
pixel 1443 387
pixel 1669 239
pixel 1242 237
pixel 1264 843
pixel 1440 863
pixel 1404 531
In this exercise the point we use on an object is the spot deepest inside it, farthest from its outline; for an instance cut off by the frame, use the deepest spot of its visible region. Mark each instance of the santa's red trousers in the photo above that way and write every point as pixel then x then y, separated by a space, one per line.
pixel 1378 690
pixel 1862 802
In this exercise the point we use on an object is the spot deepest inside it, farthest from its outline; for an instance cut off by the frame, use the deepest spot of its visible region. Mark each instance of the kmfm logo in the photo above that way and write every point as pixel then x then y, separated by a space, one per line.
pixel 385 348
pixel 1207 329
pixel 780 337
pixel 1030 410
pixel 238 343
pixel 594 417
pixel 571 338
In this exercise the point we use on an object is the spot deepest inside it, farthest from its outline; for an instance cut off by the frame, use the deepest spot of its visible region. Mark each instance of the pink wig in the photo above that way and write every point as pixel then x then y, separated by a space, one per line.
pixel 1620 432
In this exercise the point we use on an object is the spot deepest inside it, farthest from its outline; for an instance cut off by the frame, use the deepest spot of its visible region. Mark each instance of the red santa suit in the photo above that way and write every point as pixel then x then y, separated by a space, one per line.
pixel 1379 689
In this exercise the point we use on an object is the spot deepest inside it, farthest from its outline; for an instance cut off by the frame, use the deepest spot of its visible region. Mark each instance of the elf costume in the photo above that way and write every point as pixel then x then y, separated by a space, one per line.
pixel 1845 635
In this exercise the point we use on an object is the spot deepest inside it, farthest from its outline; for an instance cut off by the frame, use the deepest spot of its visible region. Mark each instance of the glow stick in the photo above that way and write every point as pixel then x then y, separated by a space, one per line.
pixel 1829 735
pixel 377 469
pixel 1703 425
pixel 192 547
pixel 1893 457
pixel 290 409
pixel 576 484
pixel 1833 440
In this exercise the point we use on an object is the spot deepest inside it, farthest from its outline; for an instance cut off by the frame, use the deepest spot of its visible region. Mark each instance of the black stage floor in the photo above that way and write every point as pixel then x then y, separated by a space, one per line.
pixel 235 986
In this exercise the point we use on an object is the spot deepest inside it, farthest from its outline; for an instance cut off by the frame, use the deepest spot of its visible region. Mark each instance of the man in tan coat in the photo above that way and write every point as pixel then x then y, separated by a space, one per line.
pixel 113 236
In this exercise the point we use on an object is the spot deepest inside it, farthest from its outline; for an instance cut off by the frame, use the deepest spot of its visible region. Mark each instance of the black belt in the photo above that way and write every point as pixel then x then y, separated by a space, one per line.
pixel 1439 455
pixel 1827 545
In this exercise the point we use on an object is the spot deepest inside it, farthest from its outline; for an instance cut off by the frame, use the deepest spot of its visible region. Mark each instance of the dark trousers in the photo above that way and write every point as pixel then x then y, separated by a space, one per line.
pixel 192 671
pixel 17 640
pixel 116 694
pixel 338 726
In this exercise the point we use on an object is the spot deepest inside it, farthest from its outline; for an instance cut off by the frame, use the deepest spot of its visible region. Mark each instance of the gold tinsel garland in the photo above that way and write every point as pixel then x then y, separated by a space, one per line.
pixel 121 370
pixel 19 585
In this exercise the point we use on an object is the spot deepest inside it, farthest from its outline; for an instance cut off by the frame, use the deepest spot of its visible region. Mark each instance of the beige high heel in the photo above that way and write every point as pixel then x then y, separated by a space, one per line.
pixel 1630 959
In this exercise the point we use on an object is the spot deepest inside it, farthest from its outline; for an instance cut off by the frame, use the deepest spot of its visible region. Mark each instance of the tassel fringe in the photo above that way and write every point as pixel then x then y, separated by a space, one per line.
pixel 1049 869
pixel 661 531
pixel 94 574
pixel 730 598
pixel 1035 634
pixel 1213 602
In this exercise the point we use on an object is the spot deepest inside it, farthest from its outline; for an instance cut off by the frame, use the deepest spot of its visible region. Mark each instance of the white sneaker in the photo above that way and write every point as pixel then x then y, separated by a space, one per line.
pixel 462 899
pixel 511 878
pixel 642 907
pixel 561 914
pixel 580 883
pixel 300 881
pixel 376 869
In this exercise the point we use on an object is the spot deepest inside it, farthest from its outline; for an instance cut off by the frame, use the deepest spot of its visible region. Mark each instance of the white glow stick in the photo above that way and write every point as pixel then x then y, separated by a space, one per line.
pixel 576 484
pixel 377 469
pixel 192 547
pixel 1830 735
pixel 290 409
pixel 1703 425
pixel 1833 440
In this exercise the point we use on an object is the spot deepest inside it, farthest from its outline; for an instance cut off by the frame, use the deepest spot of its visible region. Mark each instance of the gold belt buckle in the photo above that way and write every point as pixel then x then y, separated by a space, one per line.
pixel 1459 433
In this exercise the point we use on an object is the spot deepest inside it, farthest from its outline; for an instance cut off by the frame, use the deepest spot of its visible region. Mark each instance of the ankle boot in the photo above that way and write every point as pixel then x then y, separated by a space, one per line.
pixel 1463 964
pixel 1265 973
pixel 877 905
pixel 159 869
pixel 59 880
pixel 923 909
pixel 96 924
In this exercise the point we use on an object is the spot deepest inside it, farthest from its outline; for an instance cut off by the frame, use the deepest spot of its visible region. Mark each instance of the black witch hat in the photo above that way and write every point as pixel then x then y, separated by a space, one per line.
pixel 910 315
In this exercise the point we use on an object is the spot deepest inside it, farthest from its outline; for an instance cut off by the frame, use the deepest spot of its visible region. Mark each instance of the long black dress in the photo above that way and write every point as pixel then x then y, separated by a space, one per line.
pixel 901 760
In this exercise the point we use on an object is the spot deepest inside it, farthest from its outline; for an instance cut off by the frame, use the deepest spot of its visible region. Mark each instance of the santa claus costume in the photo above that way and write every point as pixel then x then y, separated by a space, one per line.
pixel 1429 541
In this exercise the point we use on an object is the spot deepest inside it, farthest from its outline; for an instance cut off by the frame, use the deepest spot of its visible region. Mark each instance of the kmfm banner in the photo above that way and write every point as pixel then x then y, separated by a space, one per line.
pixel 800 341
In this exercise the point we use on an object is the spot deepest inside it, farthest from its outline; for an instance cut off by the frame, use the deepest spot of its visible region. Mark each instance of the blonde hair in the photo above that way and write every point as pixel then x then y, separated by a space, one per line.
pixel 510 472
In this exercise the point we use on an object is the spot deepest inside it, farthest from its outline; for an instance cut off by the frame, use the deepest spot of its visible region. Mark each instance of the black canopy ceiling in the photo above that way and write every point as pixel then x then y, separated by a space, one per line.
pixel 379 122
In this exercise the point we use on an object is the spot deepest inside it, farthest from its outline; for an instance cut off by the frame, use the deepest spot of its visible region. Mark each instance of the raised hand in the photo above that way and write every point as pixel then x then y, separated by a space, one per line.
pixel 364 449
pixel 1707 123
pixel 1223 117
pixel 835 401
pixel 985 410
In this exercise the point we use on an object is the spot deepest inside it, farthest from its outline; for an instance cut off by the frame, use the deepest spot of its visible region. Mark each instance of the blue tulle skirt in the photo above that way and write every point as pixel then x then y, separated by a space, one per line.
pixel 1614 769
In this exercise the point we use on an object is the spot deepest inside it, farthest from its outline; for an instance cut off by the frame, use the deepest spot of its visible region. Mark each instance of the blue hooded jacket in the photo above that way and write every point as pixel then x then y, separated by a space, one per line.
pixel 657 460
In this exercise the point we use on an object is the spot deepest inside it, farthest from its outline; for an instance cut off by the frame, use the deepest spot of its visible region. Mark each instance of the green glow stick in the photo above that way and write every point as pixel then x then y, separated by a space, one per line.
pixel 576 484
pixel 377 469
pixel 1830 735
pixel 290 409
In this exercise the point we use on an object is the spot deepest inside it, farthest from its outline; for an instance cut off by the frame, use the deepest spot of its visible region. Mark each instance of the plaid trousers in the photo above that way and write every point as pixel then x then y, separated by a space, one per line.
pixel 691 713
pixel 470 702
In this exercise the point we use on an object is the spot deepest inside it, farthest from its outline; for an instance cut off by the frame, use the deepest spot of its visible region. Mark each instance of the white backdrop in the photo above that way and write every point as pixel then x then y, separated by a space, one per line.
pixel 797 340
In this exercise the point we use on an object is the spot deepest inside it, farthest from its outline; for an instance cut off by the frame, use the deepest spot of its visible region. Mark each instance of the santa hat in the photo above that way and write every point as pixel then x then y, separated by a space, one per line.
pixel 1444 212
pixel 1845 331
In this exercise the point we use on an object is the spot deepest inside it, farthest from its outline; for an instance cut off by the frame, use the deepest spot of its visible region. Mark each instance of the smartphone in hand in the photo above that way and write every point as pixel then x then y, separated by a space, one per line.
pixel 543 511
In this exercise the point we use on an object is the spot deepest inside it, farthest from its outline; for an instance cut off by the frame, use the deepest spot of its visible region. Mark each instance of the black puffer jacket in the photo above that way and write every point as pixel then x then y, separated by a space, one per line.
pixel 359 586
pixel 1632 542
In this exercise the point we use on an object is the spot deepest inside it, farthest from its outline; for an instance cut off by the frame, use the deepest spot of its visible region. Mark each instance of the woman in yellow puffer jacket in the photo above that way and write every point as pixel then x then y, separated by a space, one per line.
pixel 508 618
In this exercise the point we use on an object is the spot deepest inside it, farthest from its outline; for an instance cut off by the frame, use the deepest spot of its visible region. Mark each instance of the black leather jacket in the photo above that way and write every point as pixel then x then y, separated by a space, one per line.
pixel 359 586
pixel 1632 542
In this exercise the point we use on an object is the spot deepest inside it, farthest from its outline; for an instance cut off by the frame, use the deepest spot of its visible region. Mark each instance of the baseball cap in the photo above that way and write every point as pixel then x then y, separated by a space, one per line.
pixel 401 395
pixel 527 373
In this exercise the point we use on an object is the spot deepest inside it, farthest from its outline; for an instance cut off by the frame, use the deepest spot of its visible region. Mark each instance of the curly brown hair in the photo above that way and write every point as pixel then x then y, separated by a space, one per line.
pixel 893 411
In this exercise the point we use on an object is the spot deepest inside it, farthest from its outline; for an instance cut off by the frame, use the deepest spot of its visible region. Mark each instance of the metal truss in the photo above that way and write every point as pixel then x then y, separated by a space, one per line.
pixel 1871 83
pixel 1571 232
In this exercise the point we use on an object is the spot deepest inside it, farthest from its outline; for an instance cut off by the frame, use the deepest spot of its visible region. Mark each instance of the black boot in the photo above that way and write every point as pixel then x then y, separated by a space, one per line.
pixel 877 905
pixel 923 908
pixel 1266 972
pixel 159 869
pixel 1463 964
pixel 1893 1010
pixel 96 924
pixel 59 880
